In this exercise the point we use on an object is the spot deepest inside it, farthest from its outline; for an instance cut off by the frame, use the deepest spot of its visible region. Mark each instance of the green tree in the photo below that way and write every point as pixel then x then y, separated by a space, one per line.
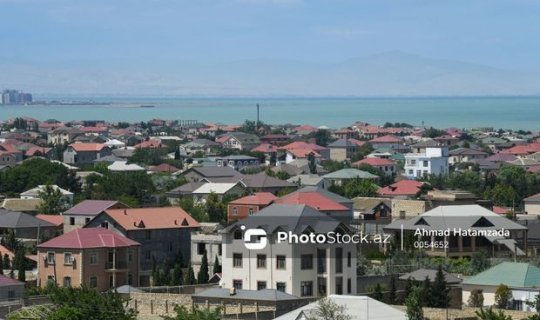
pixel 392 294
pixel 1 264
pixel 311 163
pixel 6 261
pixel 217 266
pixel 426 292
pixel 377 293
pixel 440 290
pixel 51 200
pixel 414 305
pixel 190 277
pixel 20 262
pixel 177 276
pixel 215 208
pixel 359 188
pixel 476 299
pixel 329 310
pixel 503 294
pixel 183 313
pixel 502 195
pixel 489 314
pixel 479 262
pixel 202 276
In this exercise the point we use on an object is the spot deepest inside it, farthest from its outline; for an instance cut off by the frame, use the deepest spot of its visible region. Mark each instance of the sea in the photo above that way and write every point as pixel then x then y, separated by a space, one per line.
pixel 440 112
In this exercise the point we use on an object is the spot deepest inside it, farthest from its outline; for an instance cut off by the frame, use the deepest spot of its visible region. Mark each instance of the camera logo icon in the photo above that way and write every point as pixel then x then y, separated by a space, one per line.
pixel 254 239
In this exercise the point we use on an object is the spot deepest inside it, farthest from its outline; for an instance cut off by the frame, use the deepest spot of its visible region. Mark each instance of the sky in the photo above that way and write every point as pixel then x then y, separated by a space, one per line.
pixel 130 36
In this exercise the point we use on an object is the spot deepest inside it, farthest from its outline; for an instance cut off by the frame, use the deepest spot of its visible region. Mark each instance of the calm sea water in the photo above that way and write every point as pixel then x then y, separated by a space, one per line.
pixel 498 112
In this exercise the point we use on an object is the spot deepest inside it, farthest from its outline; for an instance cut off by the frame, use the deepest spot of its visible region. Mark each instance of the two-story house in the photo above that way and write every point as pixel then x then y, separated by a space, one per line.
pixel 96 258
pixel 163 233
pixel 427 157
pixel 308 269
pixel 84 211
pixel 85 153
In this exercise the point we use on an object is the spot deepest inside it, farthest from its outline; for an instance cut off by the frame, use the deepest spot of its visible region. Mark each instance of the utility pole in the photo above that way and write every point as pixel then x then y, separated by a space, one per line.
pixel 257 125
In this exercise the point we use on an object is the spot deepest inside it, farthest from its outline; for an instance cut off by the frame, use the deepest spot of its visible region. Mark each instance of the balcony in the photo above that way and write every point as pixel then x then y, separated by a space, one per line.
pixel 117 266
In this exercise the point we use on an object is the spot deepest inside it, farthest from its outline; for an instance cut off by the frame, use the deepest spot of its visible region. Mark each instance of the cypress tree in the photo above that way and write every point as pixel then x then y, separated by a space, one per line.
pixel 426 292
pixel 414 305
pixel 392 294
pixel 440 290
pixel 202 277
pixel 1 264
pixel 377 292
pixel 190 277
pixel 178 276
pixel 217 266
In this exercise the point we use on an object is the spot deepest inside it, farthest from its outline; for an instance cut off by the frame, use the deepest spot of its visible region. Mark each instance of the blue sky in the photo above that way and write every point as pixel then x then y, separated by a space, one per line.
pixel 145 35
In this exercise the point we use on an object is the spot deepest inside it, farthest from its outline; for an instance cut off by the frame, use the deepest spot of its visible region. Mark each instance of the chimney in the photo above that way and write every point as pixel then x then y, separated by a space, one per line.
pixel 125 212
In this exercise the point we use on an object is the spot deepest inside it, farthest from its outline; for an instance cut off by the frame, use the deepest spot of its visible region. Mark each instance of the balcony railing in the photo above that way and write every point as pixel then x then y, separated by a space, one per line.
pixel 109 265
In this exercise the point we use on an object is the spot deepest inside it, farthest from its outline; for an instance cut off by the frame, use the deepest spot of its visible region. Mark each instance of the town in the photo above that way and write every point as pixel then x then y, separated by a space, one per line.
pixel 180 219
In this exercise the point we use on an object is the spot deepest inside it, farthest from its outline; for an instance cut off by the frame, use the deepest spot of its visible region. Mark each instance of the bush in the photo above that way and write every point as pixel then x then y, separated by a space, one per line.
pixel 503 296
pixel 476 299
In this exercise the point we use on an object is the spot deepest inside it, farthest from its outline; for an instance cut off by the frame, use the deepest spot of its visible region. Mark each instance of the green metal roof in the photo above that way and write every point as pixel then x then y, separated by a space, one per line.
pixel 517 275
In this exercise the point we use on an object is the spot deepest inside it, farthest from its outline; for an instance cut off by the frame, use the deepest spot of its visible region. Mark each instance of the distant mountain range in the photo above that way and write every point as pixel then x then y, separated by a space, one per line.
pixel 387 74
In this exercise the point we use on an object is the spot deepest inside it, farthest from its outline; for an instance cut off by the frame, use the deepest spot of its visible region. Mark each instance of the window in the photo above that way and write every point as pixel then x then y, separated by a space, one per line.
pixel 281 286
pixel 250 211
pixel 339 285
pixel 130 279
pixel 238 234
pixel 237 260
pixel 306 288
pixel 68 258
pixel 261 261
pixel 413 162
pixel 50 258
pixel 71 221
pixel 280 262
pixel 148 255
pixel 402 214
pixel 86 220
pixel 130 255
pixel 105 225
pixel 93 282
pixel 321 260
pixel 237 284
pixel 349 259
pixel 349 286
pixel 201 248
pixel 171 246
pixel 219 249
pixel 411 172
pixel 11 294
pixel 50 280
pixel 234 211
pixel 261 285
pixel 425 163
pixel 67 282
pixel 306 262
pixel 321 286
pixel 93 258
pixel 148 234
pixel 339 260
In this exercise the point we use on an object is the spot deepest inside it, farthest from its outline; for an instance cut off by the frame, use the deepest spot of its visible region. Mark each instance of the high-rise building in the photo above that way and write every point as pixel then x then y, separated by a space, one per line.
pixel 15 97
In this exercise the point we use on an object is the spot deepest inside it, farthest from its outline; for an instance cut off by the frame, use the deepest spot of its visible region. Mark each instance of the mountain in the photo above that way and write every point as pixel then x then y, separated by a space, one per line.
pixel 387 74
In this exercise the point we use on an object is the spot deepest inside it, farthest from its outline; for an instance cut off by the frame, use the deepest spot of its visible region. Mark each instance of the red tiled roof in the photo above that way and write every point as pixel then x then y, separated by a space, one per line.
pixel 305 127
pixel 357 142
pixel 302 145
pixel 152 218
pixel 314 200
pixel 265 148
pixel 94 129
pixel 164 167
pixel 259 198
pixel 386 139
pixel 402 188
pixel 79 147
pixel 303 153
pixel 33 150
pixel 89 238
pixel 149 144
pixel 54 219
pixel 4 250
pixel 499 210
pixel 375 162
pixel 523 150
pixel 91 207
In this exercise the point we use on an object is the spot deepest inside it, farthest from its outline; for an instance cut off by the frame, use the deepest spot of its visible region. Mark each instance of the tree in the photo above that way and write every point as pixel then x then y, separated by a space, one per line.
pixel 393 290
pixel 21 264
pixel 329 310
pixel 190 277
pixel 214 208
pixel 202 276
pixel 217 266
pixel 476 299
pixel 177 276
pixel 183 313
pixel 1 264
pixel 503 294
pixel 282 175
pixel 409 286
pixel 359 188
pixel 377 293
pixel 426 292
pixel 440 290
pixel 502 195
pixel 311 163
pixel 414 305
pixel 489 314
pixel 6 261
pixel 479 262
pixel 51 200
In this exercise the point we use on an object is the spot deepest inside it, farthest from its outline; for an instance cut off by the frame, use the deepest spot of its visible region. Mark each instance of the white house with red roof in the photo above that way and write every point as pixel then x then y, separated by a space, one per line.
pixel 385 165
pixel 387 142
pixel 85 153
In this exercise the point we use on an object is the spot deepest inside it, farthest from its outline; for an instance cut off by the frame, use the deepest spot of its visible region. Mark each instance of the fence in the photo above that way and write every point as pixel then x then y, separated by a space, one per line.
pixel 8 306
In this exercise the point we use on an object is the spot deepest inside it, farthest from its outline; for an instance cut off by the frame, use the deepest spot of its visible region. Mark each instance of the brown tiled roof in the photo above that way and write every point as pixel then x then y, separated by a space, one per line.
pixel 152 218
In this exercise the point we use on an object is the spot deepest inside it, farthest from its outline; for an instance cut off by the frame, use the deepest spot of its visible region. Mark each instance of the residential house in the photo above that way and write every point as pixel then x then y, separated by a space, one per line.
pixel 162 232
pixel 236 162
pixel 301 150
pixel 21 205
pixel 243 207
pixel 297 167
pixel 482 231
pixel 372 214
pixel 196 174
pixel 385 165
pixel 523 279
pixel 206 239
pixel 239 141
pixel 123 166
pixel 85 153
pixel 261 182
pixel 80 214
pixel 303 180
pixel 300 269
pixel 25 226
pixel 319 202
pixel 341 176
pixel 426 158
pixel 357 307
pixel 388 141
pixel 66 198
pixel 63 135
pixel 177 194
pixel 269 150
pixel 275 139
pixel 221 189
pixel 10 289
pixel 531 204
pixel 461 155
pixel 97 258
pixel 403 188
pixel 342 149
pixel 203 146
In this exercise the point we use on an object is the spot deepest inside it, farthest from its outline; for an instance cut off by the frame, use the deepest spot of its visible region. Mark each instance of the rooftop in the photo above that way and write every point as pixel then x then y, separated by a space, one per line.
pixel 89 238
